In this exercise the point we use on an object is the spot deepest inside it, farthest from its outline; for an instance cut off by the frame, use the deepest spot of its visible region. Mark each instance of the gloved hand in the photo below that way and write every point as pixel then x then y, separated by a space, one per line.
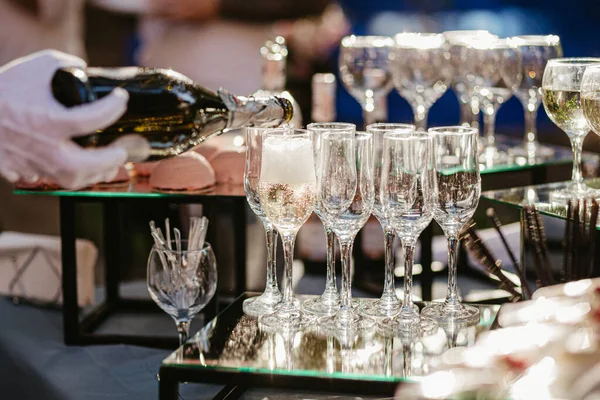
pixel 36 130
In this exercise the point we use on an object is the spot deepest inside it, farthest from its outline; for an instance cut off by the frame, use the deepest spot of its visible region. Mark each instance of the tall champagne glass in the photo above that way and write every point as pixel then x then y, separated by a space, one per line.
pixel 266 302
pixel 469 112
pixel 345 191
pixel 535 51
pixel 506 79
pixel 421 71
pixel 561 89
pixel 458 188
pixel 389 304
pixel 329 302
pixel 287 187
pixel 407 194
pixel 364 69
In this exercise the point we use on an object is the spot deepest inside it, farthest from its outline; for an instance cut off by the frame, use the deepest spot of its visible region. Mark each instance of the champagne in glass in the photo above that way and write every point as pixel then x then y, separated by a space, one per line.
pixel 458 189
pixel 287 194
pixel 590 97
pixel 561 89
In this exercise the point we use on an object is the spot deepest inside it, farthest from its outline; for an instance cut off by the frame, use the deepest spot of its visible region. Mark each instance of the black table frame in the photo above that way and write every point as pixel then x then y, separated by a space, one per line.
pixel 81 331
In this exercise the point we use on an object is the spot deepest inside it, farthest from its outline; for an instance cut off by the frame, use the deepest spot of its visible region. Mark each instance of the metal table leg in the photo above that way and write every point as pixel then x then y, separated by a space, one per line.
pixel 72 335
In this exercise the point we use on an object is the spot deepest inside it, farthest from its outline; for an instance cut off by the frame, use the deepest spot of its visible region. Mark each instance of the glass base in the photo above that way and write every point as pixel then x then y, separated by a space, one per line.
pixel 266 303
pixel 444 314
pixel 326 304
pixel 399 326
pixel 345 322
pixel 382 309
pixel 575 191
pixel 287 318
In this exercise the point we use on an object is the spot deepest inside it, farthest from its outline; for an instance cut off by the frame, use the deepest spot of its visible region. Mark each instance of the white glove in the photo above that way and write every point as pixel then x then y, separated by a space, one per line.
pixel 36 130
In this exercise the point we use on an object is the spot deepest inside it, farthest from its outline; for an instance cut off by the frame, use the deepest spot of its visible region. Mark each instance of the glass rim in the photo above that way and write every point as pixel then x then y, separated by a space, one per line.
pixel 294 133
pixel 384 127
pixel 366 41
pixel 453 130
pixel 575 61
pixel 417 40
pixel 536 40
pixel 205 247
pixel 358 135
pixel 466 32
pixel 322 126
pixel 417 135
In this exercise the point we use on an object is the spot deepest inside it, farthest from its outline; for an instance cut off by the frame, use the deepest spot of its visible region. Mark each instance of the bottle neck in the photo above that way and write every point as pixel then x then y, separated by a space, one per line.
pixel 257 110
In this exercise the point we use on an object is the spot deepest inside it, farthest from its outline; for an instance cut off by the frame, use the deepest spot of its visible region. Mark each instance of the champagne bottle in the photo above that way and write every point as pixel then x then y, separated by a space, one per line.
pixel 274 53
pixel 167 113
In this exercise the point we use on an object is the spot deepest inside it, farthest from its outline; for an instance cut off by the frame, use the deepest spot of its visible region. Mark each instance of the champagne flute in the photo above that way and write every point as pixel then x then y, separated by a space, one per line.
pixel 561 89
pixel 346 193
pixel 329 302
pixel 469 110
pixel 420 71
pixel 408 194
pixel 364 70
pixel 271 297
pixel 535 51
pixel 389 304
pixel 458 188
pixel 506 79
pixel 287 187
pixel 182 281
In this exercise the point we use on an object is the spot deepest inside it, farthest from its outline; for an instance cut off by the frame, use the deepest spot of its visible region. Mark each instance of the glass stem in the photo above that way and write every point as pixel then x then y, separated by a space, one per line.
pixel 183 330
pixel 466 116
pixel 408 249
pixel 530 125
pixel 344 315
pixel 369 117
pixel 407 353
pixel 388 298
pixel 452 295
pixel 420 113
pixel 330 284
pixel 289 240
pixel 577 145
pixel 271 236
pixel 489 120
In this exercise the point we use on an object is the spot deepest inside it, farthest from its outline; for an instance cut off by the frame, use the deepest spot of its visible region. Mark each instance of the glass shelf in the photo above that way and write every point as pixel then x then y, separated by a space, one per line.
pixel 233 344
pixel 537 195
pixel 136 188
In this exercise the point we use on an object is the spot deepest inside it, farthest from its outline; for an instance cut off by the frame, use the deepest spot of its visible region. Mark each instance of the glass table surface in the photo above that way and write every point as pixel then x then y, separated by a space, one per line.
pixel 136 188
pixel 234 342
pixel 537 195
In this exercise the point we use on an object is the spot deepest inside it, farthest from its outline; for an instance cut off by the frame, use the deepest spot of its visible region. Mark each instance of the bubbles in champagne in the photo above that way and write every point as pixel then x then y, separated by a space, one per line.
pixel 286 160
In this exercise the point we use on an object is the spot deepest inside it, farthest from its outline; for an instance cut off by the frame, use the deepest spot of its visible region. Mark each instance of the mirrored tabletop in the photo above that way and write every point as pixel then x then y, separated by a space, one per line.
pixel 235 343
pixel 134 188
pixel 537 195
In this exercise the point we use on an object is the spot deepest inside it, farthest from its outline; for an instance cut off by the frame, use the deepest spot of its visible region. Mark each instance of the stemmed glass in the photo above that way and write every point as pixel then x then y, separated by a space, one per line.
pixel 364 69
pixel 458 189
pixel 535 51
pixel 271 297
pixel 182 282
pixel 328 303
pixel 469 106
pixel 287 186
pixel 506 79
pixel 421 71
pixel 389 304
pixel 345 192
pixel 590 97
pixel 561 89
pixel 408 194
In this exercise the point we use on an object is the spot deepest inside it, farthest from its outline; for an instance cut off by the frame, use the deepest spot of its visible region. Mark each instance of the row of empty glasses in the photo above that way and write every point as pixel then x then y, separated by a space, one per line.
pixel 484 70
pixel 403 176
